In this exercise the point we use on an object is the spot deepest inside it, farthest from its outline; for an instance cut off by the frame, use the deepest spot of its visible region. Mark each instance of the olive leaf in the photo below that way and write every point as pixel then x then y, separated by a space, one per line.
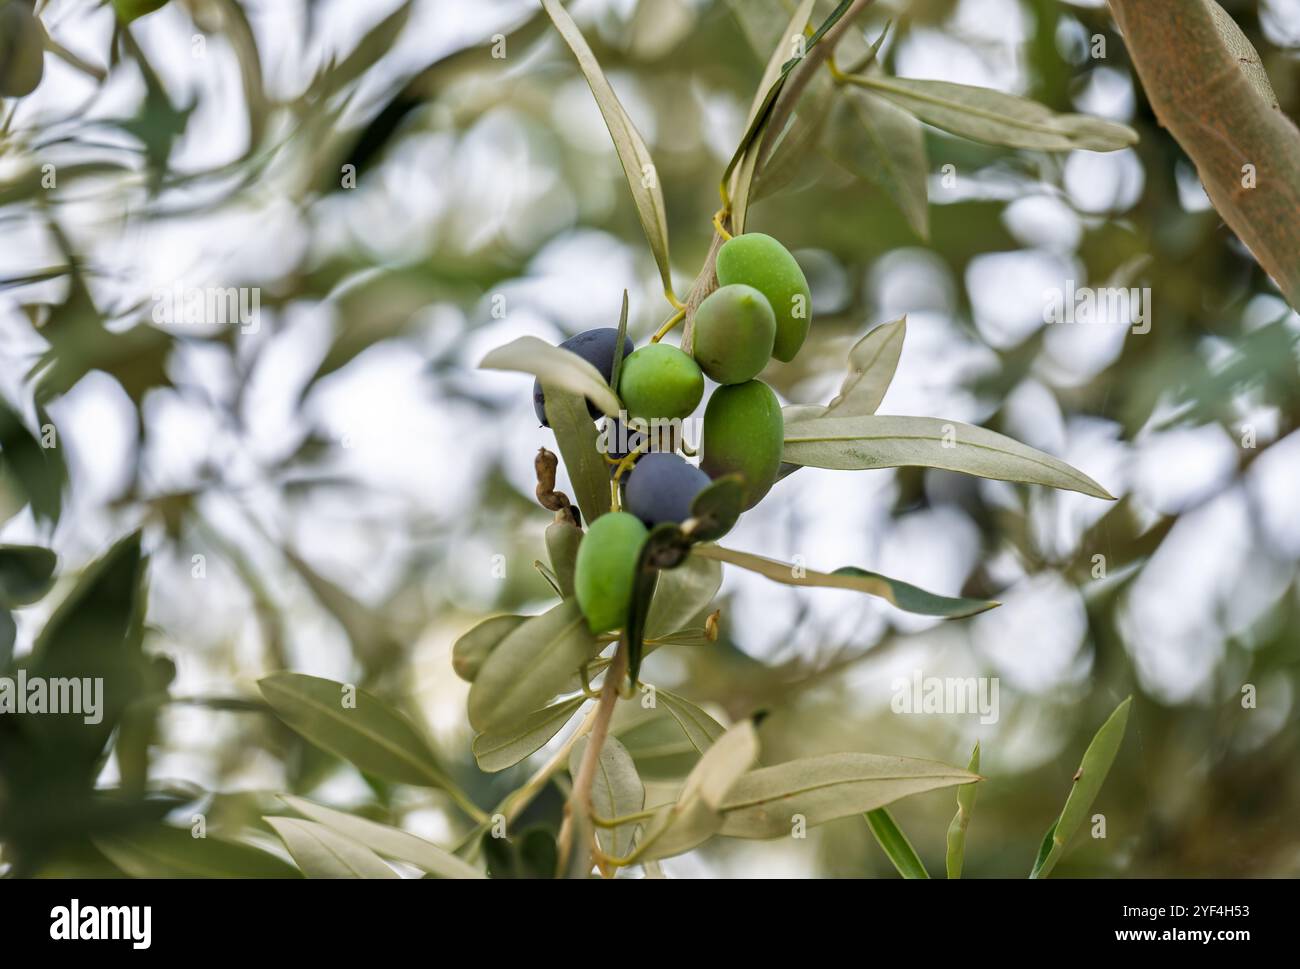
pixel 961 820
pixel 496 750
pixel 989 116
pixel 1096 764
pixel 638 166
pixel 473 647
pixel 616 366
pixel 555 368
pixel 665 548
pixel 562 541
pixel 577 438
pixel 859 443
pixel 745 161
pixel 530 666
pixel 696 814
pixel 1207 87
pixel 681 595
pixel 616 791
pixel 884 144
pixel 355 725
pixel 385 840
pixel 762 803
pixel 26 574
pixel 901 594
pixel 322 852
pixel 165 852
pixel 894 843
pixel 655 740
pixel 697 726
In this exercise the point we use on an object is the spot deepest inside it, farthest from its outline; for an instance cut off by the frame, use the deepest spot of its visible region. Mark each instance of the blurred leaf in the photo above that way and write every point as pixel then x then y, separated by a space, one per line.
pixel 529 667
pixel 324 853
pixel 616 791
pixel 763 802
pixel 961 820
pixel 529 855
pixel 894 843
pixel 556 368
pixel 717 508
pixel 386 840
pixel 790 156
pixel 884 144
pixel 8 635
pixel 696 814
pixel 577 439
pixel 681 595
pixel 642 176
pixel 1096 764
pixel 992 117
pixel 26 574
pixel 901 594
pixel 167 852
pixel 36 472
pixel 367 733
pixel 562 541
pixel 472 648
pixel 495 751
pixel 860 443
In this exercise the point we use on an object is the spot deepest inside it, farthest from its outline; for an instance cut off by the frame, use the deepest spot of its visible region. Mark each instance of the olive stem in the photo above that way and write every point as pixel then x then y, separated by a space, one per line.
pixel 717 224
pixel 579 804
pixel 669 325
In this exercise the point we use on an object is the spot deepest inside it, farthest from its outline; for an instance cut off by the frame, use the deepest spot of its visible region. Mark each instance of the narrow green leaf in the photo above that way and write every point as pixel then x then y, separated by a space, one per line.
pixel 894 843
pixel 884 144
pixel 1096 764
pixel 696 814
pixel 764 803
pixel 665 547
pixel 529 667
pixel 562 541
pixel 166 852
pixel 472 648
pixel 576 436
pixel 982 114
pixel 699 728
pixel 26 574
pixel 788 158
pixel 386 840
pixel 961 820
pixel 873 360
pixel 860 443
pixel 324 853
pixel 616 791
pixel 496 750
pixel 356 725
pixel 617 367
pixel 901 594
pixel 555 368
pixel 681 595
pixel 642 176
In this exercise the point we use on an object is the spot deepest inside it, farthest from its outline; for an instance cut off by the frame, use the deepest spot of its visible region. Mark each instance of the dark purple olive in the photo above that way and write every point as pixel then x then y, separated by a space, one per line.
pixel 661 487
pixel 597 348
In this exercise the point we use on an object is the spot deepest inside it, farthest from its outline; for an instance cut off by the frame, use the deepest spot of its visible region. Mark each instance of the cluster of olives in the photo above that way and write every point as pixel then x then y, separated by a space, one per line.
pixel 759 311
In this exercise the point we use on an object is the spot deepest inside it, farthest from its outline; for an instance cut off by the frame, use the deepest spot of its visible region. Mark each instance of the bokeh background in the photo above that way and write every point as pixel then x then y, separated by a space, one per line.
pixel 337 490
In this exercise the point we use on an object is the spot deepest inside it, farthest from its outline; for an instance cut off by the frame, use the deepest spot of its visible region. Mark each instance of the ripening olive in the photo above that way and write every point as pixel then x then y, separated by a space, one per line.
pixel 597 348
pixel 760 261
pixel 659 380
pixel 606 569
pixel 744 434
pixel 22 49
pixel 735 330
pixel 661 488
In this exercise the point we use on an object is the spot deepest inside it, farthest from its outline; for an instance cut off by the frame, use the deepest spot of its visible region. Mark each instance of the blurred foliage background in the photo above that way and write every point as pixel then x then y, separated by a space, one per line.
pixel 333 488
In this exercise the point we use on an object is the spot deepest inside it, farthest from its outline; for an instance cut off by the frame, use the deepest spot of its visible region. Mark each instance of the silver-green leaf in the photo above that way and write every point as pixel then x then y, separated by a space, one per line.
pixel 616 791
pixel 499 749
pixel 555 367
pixel 324 853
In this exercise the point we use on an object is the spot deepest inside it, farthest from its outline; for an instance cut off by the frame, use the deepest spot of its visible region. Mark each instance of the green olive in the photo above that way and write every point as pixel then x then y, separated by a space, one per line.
pixel 659 380
pixel 760 261
pixel 744 434
pixel 735 330
pixel 22 49
pixel 606 569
